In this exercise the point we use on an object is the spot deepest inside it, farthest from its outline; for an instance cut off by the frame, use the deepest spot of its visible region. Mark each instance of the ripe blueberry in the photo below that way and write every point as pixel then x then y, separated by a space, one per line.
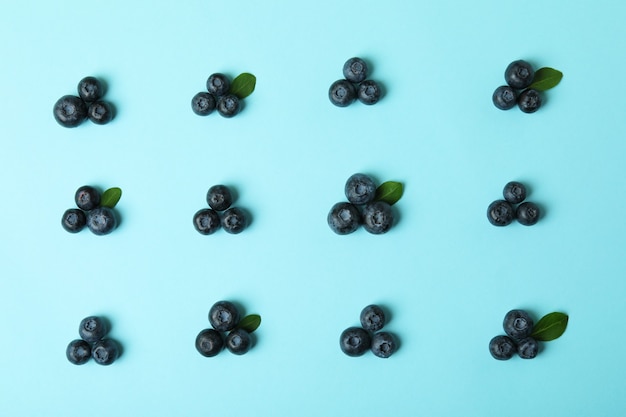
pixel 369 92
pixel 529 101
pixel 87 198
pixel 360 189
pixel 206 221
pixel 209 342
pixel 218 84
pixel 74 220
pixel 90 89
pixel 502 347
pixel 500 213
pixel 383 345
pixel 78 352
pixel 105 352
pixel 203 103
pixel 519 74
pixel 228 105
pixel 223 316
pixel 355 70
pixel 527 348
pixel 344 218
pixel 377 217
pixel 517 324
pixel 234 220
pixel 505 97
pixel 219 197
pixel 70 111
pixel 101 220
pixel 342 93
pixel 100 112
pixel 92 329
pixel 355 341
pixel 238 341
pixel 514 192
pixel 372 318
pixel 528 213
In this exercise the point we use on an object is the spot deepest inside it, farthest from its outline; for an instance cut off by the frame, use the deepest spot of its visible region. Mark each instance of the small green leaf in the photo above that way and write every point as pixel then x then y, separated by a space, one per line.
pixel 110 197
pixel 243 85
pixel 250 323
pixel 546 78
pixel 550 327
pixel 389 192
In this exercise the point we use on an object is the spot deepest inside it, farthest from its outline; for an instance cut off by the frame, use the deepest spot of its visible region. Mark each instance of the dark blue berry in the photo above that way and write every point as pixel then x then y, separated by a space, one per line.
pixel 203 103
pixel 206 221
pixel 101 220
pixel 529 101
pixel 514 192
pixel 369 92
pixel 377 217
pixel 105 351
pixel 92 329
pixel 517 324
pixel 87 198
pixel 70 111
pixel 100 112
pixel 342 93
pixel 519 74
pixel 505 97
pixel 502 347
pixel 223 316
pixel 78 352
pixel 234 220
pixel 209 342
pixel 372 318
pixel 74 220
pixel 500 213
pixel 238 342
pixel 355 341
pixel 228 105
pixel 527 348
pixel 90 89
pixel 383 345
pixel 355 70
pixel 360 189
pixel 528 213
pixel 219 197
pixel 344 218
pixel 218 84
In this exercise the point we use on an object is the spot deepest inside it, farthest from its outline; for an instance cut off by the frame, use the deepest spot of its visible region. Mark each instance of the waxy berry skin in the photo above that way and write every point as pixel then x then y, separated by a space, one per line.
pixel 78 352
pixel 527 348
pixel 529 101
pixel 372 318
pixel 209 342
pixel 528 213
pixel 100 112
pixel 74 220
pixel 219 197
pixel 206 221
pixel 519 74
pixel 355 341
pixel 218 84
pixel 228 105
pixel 223 316
pixel 87 198
pixel 517 324
pixel 92 329
pixel 342 93
pixel 203 103
pixel 377 217
pixel 369 92
pixel 70 111
pixel 500 213
pixel 238 341
pixel 514 192
pixel 383 345
pixel 505 97
pixel 90 89
pixel 355 70
pixel 360 189
pixel 101 221
pixel 502 347
pixel 105 352
pixel 234 220
pixel 344 218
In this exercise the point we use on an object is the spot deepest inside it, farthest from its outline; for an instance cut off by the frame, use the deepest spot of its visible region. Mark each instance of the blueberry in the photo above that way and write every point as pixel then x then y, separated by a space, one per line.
pixel 92 329
pixel 519 74
pixel 90 89
pixel 219 197
pixel 377 217
pixel 203 103
pixel 383 345
pixel 87 198
pixel 372 318
pixel 228 105
pixel 234 220
pixel 206 221
pixel 342 93
pixel 100 112
pixel 527 348
pixel 74 220
pixel 360 189
pixel 344 218
pixel 369 92
pixel 101 221
pixel 223 316
pixel 238 341
pixel 70 111
pixel 218 84
pixel 355 70
pixel 105 352
pixel 514 192
pixel 504 97
pixel 500 213
pixel 209 342
pixel 502 347
pixel 517 324
pixel 529 101
pixel 355 341
pixel 528 213
pixel 78 352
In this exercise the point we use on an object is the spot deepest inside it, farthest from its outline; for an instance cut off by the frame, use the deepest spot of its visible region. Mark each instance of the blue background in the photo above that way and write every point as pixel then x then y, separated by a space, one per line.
pixel 446 275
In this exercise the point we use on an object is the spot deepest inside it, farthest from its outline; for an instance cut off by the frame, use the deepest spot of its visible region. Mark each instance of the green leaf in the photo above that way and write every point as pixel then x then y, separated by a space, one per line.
pixel 243 85
pixel 546 78
pixel 389 192
pixel 550 327
pixel 110 197
pixel 250 323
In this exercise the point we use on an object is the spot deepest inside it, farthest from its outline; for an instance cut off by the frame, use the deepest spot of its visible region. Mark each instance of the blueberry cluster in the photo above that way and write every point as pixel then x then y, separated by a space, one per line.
pixel 355 341
pixel 518 326
pixel 224 317
pixel 71 111
pixel 354 85
pixel 99 219
pixel 92 343
pixel 503 212
pixel 217 96
pixel 361 208
pixel 519 76
pixel 208 220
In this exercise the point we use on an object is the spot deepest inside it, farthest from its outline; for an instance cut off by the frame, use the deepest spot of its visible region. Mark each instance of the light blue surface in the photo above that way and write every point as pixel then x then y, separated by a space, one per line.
pixel 447 276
